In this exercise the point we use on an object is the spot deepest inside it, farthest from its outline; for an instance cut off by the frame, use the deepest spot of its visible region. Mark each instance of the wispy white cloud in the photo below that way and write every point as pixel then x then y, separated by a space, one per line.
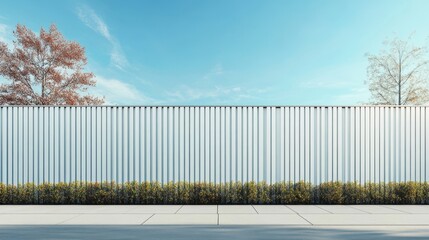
pixel 186 94
pixel 325 83
pixel 217 70
pixel 212 88
pixel 119 92
pixel 341 84
pixel 336 76
pixel 356 95
pixel 5 34
pixel 92 20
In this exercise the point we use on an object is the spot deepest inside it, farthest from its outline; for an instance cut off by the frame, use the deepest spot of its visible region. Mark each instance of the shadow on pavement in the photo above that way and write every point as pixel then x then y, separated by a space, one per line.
pixel 201 232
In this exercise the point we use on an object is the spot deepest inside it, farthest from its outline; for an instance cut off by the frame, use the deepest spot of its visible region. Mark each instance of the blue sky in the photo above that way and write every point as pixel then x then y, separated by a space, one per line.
pixel 226 52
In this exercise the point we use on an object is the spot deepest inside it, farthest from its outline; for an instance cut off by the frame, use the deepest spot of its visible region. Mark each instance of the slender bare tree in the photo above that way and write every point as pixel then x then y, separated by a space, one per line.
pixel 398 75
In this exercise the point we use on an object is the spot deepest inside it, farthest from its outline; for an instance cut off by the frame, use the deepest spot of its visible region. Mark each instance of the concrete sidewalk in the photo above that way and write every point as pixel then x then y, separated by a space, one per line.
pixel 286 215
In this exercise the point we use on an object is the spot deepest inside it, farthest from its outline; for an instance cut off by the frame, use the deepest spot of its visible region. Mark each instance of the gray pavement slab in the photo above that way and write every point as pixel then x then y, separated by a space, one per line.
pixel 273 209
pixel 108 219
pixel 261 219
pixel 315 215
pixel 156 209
pixel 307 209
pixel 115 209
pixel 367 219
pixel 339 209
pixel 376 209
pixel 78 209
pixel 11 208
pixel 236 209
pixel 34 219
pixel 198 209
pixel 413 209
pixel 33 209
pixel 28 209
pixel 183 219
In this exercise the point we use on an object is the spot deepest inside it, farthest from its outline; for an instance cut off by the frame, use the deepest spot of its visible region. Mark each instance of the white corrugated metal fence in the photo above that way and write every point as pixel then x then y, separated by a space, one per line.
pixel 213 144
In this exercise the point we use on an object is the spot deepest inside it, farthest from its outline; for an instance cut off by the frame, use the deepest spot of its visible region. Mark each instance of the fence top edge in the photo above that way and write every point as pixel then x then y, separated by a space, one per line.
pixel 216 106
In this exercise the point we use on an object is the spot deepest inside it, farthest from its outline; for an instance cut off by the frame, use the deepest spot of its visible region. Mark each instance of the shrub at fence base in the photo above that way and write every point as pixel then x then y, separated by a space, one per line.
pixel 210 193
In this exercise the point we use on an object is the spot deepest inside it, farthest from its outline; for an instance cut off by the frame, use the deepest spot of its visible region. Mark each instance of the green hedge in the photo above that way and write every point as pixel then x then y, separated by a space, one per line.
pixel 209 193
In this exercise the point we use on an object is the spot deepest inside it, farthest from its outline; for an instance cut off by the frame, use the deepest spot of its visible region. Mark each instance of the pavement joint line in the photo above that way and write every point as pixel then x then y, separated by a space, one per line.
pixel 147 219
pixel 217 208
pixel 324 209
pixel 78 215
pixel 255 209
pixel 179 209
pixel 291 209
pixel 361 210
pixel 305 219
pixel 218 219
pixel 395 209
